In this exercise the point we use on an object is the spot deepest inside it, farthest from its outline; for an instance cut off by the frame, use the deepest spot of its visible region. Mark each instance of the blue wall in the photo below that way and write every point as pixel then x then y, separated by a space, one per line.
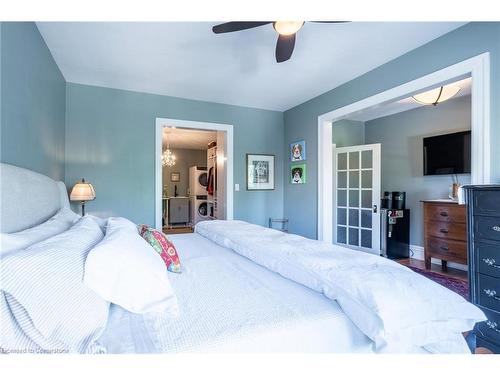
pixel 348 133
pixel 401 137
pixel 301 122
pixel 110 140
pixel 32 102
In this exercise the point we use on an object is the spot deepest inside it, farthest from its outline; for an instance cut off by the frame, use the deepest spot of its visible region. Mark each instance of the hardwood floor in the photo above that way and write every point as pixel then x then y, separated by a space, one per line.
pixel 177 230
pixel 458 274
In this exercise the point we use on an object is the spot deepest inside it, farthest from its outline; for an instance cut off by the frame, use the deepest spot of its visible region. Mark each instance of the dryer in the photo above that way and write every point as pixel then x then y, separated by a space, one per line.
pixel 198 180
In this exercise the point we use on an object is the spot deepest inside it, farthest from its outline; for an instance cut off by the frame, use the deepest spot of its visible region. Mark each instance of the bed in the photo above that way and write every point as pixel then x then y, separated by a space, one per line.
pixel 229 300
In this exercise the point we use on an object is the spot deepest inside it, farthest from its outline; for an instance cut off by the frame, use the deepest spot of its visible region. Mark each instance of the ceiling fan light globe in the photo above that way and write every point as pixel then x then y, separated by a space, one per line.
pixel 287 27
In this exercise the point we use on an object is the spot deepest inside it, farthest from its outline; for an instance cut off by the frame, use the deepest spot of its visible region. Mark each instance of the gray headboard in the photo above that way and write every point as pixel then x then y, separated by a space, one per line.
pixel 28 198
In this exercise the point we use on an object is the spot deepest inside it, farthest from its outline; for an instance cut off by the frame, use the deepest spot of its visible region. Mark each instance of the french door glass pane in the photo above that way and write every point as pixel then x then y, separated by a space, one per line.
pixel 354 198
pixel 354 179
pixel 366 179
pixel 341 234
pixel 354 236
pixel 342 198
pixel 367 159
pixel 342 216
pixel 342 161
pixel 366 218
pixel 366 199
pixel 366 238
pixel 353 218
pixel 354 160
pixel 342 180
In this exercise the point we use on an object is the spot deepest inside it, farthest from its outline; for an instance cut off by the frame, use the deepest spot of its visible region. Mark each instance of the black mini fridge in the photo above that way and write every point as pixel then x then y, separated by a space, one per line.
pixel 395 233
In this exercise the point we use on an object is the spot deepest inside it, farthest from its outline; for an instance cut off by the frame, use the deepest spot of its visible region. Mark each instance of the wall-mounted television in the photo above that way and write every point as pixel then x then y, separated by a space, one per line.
pixel 447 154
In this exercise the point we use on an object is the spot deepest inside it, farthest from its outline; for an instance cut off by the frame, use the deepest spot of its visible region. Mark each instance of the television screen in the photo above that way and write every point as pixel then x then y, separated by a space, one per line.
pixel 447 154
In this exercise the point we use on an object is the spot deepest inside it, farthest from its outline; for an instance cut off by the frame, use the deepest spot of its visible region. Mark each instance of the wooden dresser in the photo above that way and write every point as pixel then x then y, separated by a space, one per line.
pixel 483 221
pixel 445 232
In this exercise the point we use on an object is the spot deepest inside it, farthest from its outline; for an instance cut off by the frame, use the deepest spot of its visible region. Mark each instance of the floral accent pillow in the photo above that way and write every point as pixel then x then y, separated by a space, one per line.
pixel 141 228
pixel 162 246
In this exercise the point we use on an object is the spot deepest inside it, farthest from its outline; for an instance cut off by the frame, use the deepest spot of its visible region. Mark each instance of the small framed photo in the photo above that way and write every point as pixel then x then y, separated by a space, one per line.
pixel 260 172
pixel 175 176
pixel 298 174
pixel 298 151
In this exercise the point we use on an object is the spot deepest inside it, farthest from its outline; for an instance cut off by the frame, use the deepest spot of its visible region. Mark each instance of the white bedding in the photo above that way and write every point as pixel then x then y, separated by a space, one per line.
pixel 228 303
pixel 394 306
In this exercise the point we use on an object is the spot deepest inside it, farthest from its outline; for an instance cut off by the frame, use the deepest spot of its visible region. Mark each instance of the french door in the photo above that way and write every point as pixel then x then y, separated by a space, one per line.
pixel 356 198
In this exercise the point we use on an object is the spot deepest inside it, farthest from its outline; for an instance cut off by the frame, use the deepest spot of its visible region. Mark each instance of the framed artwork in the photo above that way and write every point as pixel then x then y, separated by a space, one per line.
pixel 298 151
pixel 260 172
pixel 298 174
pixel 175 176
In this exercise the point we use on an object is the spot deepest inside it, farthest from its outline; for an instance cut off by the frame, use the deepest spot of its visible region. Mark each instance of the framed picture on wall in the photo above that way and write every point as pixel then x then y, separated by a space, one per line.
pixel 260 172
pixel 175 176
pixel 298 151
pixel 298 174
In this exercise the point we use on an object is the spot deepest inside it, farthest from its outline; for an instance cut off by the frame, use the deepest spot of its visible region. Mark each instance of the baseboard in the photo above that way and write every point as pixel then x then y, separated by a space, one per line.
pixel 417 252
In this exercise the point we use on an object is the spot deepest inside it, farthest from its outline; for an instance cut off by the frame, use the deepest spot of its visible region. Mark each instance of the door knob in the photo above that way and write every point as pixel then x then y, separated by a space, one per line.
pixel 374 208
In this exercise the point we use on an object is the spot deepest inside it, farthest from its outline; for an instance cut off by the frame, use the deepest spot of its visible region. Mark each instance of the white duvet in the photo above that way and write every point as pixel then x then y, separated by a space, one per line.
pixel 395 307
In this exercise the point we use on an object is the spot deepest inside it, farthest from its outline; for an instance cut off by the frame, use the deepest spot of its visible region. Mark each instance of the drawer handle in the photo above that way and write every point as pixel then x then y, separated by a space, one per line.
pixel 496 228
pixel 490 262
pixel 493 326
pixel 443 213
pixel 491 294
pixel 444 231
pixel 445 248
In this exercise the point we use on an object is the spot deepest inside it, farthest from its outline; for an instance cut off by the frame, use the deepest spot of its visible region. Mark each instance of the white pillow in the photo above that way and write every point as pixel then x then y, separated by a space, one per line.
pixel 58 223
pixel 125 270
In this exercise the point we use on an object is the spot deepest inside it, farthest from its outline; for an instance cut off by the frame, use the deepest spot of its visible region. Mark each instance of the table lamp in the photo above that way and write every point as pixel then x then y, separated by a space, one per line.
pixel 82 191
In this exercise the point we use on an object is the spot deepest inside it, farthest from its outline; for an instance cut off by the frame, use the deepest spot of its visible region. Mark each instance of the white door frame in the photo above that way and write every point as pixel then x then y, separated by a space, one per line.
pixel 478 67
pixel 167 122
pixel 376 187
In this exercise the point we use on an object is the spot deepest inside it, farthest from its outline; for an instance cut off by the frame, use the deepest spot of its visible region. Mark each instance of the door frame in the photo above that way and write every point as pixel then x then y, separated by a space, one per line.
pixel 376 186
pixel 477 67
pixel 228 160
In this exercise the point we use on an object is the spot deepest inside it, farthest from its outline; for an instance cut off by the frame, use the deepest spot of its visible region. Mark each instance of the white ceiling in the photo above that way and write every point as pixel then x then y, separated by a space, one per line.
pixel 188 138
pixel 185 59
pixel 405 104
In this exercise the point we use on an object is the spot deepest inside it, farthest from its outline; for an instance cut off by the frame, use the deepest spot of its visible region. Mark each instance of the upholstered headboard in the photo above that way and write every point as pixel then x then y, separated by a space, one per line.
pixel 28 198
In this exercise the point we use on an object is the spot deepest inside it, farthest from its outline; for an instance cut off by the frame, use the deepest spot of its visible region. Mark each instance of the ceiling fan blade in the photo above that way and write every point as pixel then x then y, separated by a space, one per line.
pixel 229 27
pixel 284 47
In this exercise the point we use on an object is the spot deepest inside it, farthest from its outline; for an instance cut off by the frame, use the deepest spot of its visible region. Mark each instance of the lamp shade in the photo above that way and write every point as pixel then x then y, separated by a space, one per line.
pixel 82 191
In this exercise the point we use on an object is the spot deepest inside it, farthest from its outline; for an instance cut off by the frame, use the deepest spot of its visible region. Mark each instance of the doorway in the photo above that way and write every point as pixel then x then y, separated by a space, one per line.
pixel 220 158
pixel 477 67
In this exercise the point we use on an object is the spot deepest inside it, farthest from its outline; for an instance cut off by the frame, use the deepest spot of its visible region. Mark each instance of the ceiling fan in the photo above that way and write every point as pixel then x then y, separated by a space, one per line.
pixel 286 33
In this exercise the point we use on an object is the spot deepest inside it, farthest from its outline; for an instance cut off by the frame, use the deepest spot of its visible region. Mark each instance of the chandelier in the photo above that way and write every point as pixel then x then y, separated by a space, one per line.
pixel 167 158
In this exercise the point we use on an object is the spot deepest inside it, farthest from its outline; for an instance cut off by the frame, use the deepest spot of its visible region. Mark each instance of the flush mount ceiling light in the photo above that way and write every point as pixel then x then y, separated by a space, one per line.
pixel 437 95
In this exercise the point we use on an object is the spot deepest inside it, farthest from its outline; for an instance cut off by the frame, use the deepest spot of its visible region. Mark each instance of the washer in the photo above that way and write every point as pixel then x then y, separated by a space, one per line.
pixel 199 209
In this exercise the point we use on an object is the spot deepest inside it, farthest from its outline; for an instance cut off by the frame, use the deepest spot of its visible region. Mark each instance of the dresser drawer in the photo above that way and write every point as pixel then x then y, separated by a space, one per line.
pixel 490 328
pixel 445 212
pixel 488 292
pixel 449 230
pixel 486 202
pixel 488 259
pixel 487 228
pixel 455 251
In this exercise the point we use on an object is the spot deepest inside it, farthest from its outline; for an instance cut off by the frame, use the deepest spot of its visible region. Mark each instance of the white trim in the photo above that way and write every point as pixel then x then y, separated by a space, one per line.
pixel 418 253
pixel 478 67
pixel 163 122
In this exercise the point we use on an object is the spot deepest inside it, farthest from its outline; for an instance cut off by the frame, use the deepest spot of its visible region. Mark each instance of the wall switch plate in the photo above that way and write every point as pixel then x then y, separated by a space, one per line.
pixel 236 187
